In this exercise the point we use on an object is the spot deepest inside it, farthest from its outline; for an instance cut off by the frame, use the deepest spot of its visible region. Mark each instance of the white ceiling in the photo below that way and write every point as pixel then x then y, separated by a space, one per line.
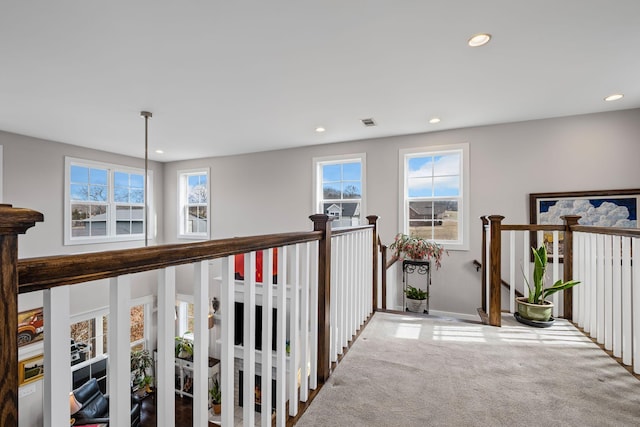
pixel 227 77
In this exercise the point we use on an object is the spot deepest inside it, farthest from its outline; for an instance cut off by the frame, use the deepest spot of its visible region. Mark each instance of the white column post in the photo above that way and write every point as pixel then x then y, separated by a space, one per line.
pixel 294 330
pixel 165 368
pixel 281 355
pixel 249 339
pixel 119 345
pixel 227 307
pixel 267 337
pixel 57 360
pixel 200 343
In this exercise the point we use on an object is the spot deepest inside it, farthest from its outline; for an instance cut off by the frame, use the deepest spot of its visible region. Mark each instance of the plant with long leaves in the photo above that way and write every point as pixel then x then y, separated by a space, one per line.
pixel 538 293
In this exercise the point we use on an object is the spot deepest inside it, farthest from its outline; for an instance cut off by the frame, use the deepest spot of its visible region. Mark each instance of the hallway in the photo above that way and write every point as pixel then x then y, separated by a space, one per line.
pixel 414 371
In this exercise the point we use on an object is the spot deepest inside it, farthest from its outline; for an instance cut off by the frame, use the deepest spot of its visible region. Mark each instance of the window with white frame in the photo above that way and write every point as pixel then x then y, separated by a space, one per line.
pixel 103 202
pixel 434 193
pixel 193 187
pixel 89 348
pixel 339 183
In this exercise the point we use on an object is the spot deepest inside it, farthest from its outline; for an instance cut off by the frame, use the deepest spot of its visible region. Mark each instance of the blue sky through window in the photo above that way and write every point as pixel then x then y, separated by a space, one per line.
pixel 434 176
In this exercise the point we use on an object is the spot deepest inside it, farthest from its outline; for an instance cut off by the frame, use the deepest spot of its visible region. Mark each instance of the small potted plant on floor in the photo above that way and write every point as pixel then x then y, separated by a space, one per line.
pixel 416 299
pixel 535 308
pixel 216 396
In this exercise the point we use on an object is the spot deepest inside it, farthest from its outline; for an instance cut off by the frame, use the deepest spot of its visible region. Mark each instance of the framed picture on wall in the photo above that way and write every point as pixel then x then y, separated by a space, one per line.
pixel 30 370
pixel 602 208
pixel 30 326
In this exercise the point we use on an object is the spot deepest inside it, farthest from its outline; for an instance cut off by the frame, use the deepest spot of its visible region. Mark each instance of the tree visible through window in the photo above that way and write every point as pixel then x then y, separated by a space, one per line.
pixel 105 202
pixel 194 203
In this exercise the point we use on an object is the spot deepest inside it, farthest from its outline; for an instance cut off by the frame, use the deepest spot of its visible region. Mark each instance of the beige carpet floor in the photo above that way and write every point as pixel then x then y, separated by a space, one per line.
pixel 410 371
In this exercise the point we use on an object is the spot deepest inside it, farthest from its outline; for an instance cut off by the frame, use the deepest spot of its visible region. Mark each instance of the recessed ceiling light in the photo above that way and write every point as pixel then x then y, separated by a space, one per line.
pixel 160 151
pixel 320 129
pixel 479 40
pixel 614 97
pixel 434 120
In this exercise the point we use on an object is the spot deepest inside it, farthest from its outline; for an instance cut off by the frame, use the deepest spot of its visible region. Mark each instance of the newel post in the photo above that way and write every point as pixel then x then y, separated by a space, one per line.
pixel 483 260
pixel 373 220
pixel 322 223
pixel 569 221
pixel 13 221
pixel 495 299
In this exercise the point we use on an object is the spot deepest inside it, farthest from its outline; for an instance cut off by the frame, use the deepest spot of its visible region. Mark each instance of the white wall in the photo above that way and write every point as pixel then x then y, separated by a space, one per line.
pixel 272 192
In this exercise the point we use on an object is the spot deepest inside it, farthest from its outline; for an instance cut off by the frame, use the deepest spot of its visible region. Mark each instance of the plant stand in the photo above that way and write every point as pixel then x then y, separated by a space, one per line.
pixel 422 268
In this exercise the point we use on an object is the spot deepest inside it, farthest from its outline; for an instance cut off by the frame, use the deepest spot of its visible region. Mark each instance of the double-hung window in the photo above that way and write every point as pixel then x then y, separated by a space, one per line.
pixel 339 188
pixel 193 215
pixel 434 194
pixel 103 202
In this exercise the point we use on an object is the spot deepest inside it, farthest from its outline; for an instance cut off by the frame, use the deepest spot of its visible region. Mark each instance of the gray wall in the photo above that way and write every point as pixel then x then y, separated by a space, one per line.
pixel 272 191
pixel 33 177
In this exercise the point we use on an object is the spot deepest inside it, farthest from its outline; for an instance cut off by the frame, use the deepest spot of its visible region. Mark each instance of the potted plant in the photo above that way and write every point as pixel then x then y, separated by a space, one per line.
pixel 141 361
pixel 184 348
pixel 417 248
pixel 216 396
pixel 416 299
pixel 535 307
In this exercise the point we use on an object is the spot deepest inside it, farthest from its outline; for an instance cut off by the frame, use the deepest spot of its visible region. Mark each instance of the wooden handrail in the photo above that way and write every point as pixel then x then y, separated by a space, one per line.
pixel 41 273
pixel 531 227
pixel 343 230
pixel 392 261
pixel 48 272
pixel 612 231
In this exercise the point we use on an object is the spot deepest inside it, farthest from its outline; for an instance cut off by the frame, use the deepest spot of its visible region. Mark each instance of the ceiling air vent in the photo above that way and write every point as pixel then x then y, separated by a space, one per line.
pixel 368 122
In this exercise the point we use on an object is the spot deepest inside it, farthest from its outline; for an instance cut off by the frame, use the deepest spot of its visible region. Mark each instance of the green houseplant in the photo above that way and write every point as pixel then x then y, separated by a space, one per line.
pixel 535 306
pixel 216 396
pixel 141 361
pixel 416 299
pixel 184 348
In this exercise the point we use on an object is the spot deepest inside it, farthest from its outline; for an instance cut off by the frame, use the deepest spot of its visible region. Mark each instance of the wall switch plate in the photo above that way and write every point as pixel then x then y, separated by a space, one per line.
pixel 26 390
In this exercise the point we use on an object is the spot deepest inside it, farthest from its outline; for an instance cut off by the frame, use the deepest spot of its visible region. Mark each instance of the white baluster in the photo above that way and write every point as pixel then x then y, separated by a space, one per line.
pixel 119 351
pixel 616 295
pixel 227 307
pixel 165 368
pixel 267 338
pixel 635 284
pixel 600 288
pixel 294 331
pixel 57 358
pixel 556 271
pixel 201 342
pixel 281 355
pixel 304 319
pixel 313 316
pixel 249 339
pixel 608 294
pixel 627 343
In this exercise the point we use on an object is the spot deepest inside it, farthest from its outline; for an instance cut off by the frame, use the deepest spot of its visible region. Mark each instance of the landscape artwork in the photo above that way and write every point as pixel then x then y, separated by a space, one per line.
pixel 614 208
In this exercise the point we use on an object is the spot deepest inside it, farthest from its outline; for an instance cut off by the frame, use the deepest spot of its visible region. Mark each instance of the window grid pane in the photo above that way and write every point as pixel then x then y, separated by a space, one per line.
pixel 433 195
pixel 112 202
pixel 196 199
pixel 341 192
